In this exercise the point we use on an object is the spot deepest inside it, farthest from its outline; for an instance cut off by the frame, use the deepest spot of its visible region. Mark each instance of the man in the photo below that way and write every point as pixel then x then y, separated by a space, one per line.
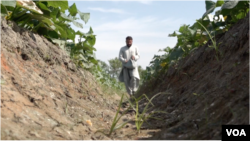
pixel 129 76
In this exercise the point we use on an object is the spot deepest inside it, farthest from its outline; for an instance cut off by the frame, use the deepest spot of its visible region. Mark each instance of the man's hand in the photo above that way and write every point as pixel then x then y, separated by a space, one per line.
pixel 126 61
pixel 133 57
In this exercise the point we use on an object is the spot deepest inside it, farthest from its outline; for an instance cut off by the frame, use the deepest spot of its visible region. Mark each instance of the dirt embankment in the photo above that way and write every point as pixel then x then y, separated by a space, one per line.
pixel 44 95
pixel 204 93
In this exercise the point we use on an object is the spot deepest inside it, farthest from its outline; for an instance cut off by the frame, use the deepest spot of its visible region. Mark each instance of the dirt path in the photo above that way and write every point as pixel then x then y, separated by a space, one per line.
pixel 44 96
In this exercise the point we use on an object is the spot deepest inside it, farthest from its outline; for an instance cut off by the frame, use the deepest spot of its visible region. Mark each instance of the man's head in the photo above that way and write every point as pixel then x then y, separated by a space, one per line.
pixel 129 41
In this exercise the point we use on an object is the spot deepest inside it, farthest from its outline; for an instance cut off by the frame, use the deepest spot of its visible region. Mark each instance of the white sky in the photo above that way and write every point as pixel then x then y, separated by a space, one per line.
pixel 148 22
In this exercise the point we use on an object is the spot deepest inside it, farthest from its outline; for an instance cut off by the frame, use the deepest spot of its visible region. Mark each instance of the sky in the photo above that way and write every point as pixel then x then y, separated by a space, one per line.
pixel 148 22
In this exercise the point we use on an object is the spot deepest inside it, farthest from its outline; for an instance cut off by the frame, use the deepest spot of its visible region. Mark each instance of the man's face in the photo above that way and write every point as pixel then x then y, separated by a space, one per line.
pixel 129 42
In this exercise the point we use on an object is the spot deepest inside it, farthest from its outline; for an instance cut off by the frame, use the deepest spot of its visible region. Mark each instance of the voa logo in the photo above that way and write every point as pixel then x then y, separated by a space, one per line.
pixel 236 132
pixel 219 18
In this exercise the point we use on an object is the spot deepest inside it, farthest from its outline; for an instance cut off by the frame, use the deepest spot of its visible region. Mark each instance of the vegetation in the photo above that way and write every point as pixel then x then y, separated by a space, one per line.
pixel 141 117
pixel 116 119
pixel 190 38
pixel 108 76
pixel 213 41
pixel 115 67
pixel 49 19
pixel 110 73
pixel 46 18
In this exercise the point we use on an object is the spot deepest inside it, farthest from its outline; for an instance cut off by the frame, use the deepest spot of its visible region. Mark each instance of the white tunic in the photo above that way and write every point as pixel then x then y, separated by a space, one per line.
pixel 126 53
pixel 129 76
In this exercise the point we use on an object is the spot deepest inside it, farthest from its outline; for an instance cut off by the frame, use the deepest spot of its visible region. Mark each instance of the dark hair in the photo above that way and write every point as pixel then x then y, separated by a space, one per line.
pixel 129 38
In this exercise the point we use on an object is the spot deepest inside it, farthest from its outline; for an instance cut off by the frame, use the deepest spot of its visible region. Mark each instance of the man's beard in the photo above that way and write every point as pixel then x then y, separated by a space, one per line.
pixel 129 45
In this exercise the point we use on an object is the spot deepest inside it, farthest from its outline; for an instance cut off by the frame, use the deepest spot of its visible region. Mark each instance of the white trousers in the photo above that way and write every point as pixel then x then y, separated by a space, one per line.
pixel 131 82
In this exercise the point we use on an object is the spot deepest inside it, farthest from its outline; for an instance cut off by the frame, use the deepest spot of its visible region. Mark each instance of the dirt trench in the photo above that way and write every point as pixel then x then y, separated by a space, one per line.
pixel 44 95
pixel 201 93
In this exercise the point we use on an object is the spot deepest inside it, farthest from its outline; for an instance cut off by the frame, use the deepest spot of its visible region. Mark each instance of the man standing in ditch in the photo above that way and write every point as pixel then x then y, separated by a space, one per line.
pixel 129 76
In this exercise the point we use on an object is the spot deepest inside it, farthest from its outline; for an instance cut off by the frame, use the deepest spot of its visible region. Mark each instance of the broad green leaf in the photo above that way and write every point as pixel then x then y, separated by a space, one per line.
pixel 93 60
pixel 52 27
pixel 73 9
pixel 11 3
pixel 240 15
pixel 71 19
pixel 83 58
pixel 63 4
pixel 3 10
pixel 177 52
pixel 90 40
pixel 80 33
pixel 61 31
pixel 64 16
pixel 43 6
pixel 42 19
pixel 88 65
pixel 52 34
pixel 71 33
pixel 48 28
pixel 61 43
pixel 219 3
pixel 198 26
pixel 173 34
pixel 54 13
pixel 84 16
pixel 90 33
pixel 210 6
pixel 77 24
pixel 229 4
pixel 217 13
pixel 87 46
pixel 19 14
pixel 182 28
pixel 192 31
pixel 70 44
pixel 30 5
pixel 243 4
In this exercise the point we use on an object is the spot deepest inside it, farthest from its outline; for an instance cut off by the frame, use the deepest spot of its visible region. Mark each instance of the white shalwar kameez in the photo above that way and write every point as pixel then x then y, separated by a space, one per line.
pixel 129 76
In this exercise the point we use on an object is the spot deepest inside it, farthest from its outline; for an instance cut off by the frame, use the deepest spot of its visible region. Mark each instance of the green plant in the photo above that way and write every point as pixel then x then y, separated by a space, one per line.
pixel 213 41
pixel 82 53
pixel 101 72
pixel 142 117
pixel 46 18
pixel 114 125
pixel 191 37
pixel 49 19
